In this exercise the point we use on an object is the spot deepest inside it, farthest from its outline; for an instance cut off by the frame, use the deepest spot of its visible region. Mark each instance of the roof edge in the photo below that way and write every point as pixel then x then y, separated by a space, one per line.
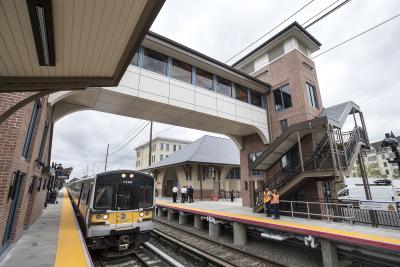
pixel 292 25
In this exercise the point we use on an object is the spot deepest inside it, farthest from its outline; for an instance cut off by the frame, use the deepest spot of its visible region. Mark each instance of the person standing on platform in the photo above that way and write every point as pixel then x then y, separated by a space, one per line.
pixel 183 194
pixel 174 193
pixel 232 195
pixel 190 193
pixel 267 202
pixel 275 203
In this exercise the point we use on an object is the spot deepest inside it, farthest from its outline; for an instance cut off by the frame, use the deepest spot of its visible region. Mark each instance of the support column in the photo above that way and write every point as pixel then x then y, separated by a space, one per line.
pixel 160 212
pixel 170 215
pixel 239 234
pixel 182 218
pixel 329 253
pixel 197 222
pixel 214 229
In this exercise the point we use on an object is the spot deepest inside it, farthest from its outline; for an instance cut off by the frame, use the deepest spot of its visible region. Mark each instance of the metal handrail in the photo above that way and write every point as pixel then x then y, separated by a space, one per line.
pixel 327 210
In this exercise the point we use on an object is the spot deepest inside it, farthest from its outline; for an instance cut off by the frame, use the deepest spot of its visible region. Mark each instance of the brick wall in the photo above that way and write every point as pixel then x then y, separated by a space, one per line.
pixel 294 69
pixel 12 138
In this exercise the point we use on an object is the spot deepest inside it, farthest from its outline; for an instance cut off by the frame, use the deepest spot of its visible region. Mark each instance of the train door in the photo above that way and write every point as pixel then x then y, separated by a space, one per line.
pixel 14 195
pixel 124 215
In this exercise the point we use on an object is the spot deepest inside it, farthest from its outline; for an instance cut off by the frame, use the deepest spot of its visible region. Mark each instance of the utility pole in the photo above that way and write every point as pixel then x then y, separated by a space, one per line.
pixel 151 133
pixel 105 165
pixel 87 170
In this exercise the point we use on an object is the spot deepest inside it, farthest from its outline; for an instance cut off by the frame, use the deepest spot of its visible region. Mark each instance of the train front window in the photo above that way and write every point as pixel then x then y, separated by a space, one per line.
pixel 145 195
pixel 124 197
pixel 104 195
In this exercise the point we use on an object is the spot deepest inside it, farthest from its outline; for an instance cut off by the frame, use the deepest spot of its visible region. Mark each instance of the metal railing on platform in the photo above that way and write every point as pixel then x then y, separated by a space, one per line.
pixel 318 210
pixel 376 213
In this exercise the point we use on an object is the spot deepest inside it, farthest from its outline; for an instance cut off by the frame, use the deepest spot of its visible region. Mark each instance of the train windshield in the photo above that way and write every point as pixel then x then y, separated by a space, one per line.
pixel 104 195
pixel 145 195
pixel 124 197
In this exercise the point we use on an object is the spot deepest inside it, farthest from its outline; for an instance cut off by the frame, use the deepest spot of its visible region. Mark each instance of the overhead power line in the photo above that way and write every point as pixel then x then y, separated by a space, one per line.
pixel 130 140
pixel 238 53
pixel 327 14
pixel 356 36
pixel 319 12
pixel 126 136
pixel 143 141
pixel 124 145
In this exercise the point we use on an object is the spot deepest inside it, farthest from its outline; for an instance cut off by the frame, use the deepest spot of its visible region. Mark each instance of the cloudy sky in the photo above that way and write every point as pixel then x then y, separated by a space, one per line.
pixel 365 70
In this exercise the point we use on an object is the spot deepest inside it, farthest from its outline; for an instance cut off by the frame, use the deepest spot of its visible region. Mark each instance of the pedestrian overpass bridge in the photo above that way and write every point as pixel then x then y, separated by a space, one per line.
pixel 228 107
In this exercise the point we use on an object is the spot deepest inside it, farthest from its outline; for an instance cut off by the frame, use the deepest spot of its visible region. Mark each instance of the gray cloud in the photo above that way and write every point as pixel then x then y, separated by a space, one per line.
pixel 365 70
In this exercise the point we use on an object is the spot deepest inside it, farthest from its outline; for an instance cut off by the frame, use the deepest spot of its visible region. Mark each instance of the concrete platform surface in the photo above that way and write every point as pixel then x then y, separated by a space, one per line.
pixel 44 243
pixel 344 232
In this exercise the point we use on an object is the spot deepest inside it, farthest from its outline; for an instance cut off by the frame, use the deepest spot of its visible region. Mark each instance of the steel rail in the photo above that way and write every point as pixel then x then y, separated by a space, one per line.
pixel 220 244
pixel 193 250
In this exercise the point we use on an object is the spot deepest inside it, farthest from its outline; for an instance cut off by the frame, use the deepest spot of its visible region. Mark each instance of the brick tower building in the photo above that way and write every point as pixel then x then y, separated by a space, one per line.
pixel 284 61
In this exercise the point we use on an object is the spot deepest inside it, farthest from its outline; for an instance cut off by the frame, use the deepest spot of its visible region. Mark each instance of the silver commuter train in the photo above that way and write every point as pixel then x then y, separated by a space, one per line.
pixel 115 209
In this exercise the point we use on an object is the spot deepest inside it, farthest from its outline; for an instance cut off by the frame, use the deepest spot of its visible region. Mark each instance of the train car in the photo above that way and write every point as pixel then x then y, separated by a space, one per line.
pixel 114 208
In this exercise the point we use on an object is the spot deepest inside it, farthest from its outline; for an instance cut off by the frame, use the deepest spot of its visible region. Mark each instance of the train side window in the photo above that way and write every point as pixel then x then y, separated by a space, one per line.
pixel 145 196
pixel 104 194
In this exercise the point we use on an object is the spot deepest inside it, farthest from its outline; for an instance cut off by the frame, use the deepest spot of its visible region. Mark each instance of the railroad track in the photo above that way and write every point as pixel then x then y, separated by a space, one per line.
pixel 145 256
pixel 209 251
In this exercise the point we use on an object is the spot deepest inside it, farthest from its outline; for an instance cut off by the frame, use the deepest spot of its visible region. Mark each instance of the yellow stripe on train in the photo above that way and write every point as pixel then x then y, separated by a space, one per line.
pixel 120 217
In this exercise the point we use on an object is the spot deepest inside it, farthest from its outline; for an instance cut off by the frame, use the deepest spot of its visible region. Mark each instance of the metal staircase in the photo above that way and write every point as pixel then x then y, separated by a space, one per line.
pixel 324 161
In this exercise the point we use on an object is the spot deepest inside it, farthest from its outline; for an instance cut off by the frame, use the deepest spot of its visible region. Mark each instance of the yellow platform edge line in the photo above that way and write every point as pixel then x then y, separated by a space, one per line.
pixel 354 233
pixel 70 249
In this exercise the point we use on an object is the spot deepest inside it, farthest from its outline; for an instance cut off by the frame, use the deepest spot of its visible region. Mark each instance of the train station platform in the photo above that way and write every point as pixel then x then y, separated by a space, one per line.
pixel 55 239
pixel 359 235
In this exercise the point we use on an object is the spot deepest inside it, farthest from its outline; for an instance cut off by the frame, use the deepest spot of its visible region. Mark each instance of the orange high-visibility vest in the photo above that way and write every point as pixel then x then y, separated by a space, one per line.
pixel 275 199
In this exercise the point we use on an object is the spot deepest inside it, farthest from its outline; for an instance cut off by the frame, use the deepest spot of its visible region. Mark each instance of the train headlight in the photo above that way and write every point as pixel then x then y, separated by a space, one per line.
pixel 131 175
pixel 141 214
pixel 123 175
pixel 105 217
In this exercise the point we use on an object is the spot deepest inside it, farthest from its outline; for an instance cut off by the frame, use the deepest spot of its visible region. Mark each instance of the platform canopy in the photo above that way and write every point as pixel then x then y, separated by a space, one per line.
pixel 56 44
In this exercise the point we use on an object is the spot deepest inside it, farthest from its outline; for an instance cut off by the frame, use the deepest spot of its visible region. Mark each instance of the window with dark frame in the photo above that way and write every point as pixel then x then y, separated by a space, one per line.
pixel 255 98
pixel 12 186
pixel 312 95
pixel 31 129
pixel 181 71
pixel 234 173
pixel 282 98
pixel 211 171
pixel 43 143
pixel 204 79
pixel 223 87
pixel 241 93
pixel 155 61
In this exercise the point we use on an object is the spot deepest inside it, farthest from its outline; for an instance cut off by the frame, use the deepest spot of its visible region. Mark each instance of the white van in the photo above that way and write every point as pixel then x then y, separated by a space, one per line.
pixel 378 193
